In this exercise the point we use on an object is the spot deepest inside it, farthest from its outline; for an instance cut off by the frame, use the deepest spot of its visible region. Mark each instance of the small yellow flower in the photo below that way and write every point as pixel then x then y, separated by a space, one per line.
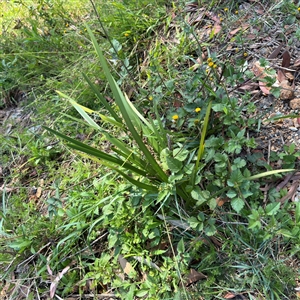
pixel 196 122
pixel 299 9
pixel 236 12
pixel 209 60
pixel 245 54
pixel 221 19
pixel 126 34
pixel 219 15
pixel 67 25
pixel 210 78
pixel 207 70
pixel 197 109
pixel 150 98
pixel 214 66
pixel 226 9
pixel 210 64
pixel 175 117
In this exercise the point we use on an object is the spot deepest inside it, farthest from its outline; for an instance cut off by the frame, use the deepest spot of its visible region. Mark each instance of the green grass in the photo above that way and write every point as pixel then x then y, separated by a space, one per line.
pixel 176 187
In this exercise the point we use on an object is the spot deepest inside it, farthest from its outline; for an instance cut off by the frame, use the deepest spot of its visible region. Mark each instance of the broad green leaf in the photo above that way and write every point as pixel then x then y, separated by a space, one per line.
pixel 210 230
pixel 163 158
pixel 239 163
pixel 174 165
pixel 231 194
pixel 200 196
pixel 194 222
pixel 180 246
pixel 253 224
pixel 272 208
pixel 175 178
pixel 218 107
pixel 180 154
pixel 286 233
pixel 212 203
pixel 237 204
pixel 141 293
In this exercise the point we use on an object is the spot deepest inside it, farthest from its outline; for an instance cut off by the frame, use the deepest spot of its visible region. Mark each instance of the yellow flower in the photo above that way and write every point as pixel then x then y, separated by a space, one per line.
pixel 196 122
pixel 175 117
pixel 197 109
pixel 214 66
pixel 245 54
pixel 221 19
pixel 126 34
pixel 67 25
pixel 211 64
pixel 299 9
pixel 236 12
pixel 150 98
pixel 209 60
pixel 226 9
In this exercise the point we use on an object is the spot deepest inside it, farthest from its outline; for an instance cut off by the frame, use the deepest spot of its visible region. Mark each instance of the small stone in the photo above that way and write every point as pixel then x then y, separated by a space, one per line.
pixel 295 103
pixel 286 91
pixel 293 128
pixel 296 123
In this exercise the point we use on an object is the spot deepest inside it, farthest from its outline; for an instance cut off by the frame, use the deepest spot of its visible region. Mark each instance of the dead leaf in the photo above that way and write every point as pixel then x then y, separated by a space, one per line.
pixel 285 181
pixel 233 32
pixel 193 277
pixel 289 76
pixel 275 53
pixel 221 201
pixel 248 87
pixel 213 17
pixel 55 282
pixel 229 296
pixel 265 89
pixel 260 72
pixel 234 296
pixel 291 192
pixel 216 29
pixel 260 10
pixel 297 63
pixel 286 59
pixel 126 266
pixel 280 76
